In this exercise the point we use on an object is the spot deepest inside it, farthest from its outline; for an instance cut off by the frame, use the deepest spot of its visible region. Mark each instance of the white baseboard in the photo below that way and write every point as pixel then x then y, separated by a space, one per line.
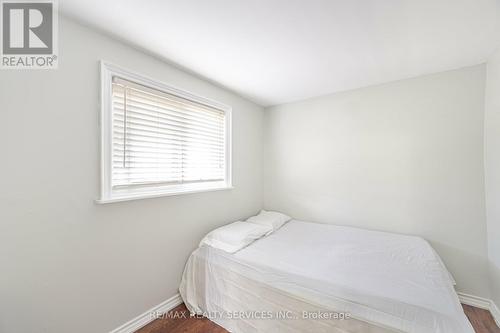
pixel 478 302
pixel 148 316
pixel 482 303
pixel 495 313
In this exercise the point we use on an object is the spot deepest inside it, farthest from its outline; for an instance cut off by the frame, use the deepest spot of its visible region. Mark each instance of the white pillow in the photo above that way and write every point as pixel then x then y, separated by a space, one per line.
pixel 273 219
pixel 235 236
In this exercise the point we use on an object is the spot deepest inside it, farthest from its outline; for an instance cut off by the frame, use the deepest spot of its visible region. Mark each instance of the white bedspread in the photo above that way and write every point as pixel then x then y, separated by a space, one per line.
pixel 386 282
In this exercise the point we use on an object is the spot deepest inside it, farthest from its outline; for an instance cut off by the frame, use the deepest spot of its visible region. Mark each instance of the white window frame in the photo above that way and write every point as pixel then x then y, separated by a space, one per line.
pixel 108 71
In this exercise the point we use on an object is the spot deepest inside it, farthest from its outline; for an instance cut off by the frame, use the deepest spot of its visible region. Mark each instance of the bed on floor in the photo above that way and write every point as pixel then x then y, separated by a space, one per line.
pixel 310 277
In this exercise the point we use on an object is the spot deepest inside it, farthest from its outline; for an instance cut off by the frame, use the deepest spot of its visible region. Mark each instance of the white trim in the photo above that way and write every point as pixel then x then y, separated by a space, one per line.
pixel 159 195
pixel 107 195
pixel 482 303
pixel 495 312
pixel 148 316
pixel 476 301
pixel 157 84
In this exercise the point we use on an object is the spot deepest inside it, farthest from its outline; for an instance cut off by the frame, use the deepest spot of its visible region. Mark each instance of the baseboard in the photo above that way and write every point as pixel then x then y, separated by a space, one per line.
pixel 495 313
pixel 145 318
pixel 482 303
pixel 148 316
pixel 476 301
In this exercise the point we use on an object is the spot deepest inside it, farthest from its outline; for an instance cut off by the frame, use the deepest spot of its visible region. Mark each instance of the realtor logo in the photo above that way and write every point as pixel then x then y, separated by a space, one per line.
pixel 29 34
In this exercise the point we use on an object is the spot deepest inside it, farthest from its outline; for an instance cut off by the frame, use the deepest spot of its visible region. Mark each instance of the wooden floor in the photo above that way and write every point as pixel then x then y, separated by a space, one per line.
pixel 183 323
pixel 481 320
pixel 179 321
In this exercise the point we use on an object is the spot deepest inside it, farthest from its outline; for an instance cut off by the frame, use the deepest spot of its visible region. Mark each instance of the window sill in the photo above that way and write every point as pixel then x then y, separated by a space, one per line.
pixel 156 194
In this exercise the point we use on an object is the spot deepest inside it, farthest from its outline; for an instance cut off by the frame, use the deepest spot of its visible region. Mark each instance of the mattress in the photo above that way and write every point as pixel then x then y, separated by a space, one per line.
pixel 310 277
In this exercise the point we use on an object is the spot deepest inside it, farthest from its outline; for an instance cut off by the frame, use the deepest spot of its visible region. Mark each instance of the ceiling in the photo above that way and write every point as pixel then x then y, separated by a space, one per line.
pixel 279 51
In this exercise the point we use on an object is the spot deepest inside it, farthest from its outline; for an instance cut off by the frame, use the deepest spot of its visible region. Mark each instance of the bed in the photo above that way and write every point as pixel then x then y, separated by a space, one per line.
pixel 311 277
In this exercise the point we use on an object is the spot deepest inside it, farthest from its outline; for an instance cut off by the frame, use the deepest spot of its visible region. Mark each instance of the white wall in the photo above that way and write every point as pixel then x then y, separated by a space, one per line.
pixel 492 168
pixel 67 264
pixel 404 157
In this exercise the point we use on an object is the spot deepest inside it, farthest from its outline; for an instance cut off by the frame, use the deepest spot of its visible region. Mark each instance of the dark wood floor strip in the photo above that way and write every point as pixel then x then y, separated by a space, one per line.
pixel 481 320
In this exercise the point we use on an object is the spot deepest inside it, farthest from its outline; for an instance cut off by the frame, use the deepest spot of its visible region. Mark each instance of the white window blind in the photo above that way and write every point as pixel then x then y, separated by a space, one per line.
pixel 162 139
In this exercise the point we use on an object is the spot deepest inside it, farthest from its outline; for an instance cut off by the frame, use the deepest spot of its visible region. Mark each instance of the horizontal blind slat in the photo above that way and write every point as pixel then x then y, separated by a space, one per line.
pixel 131 139
pixel 166 107
pixel 153 93
pixel 133 126
pixel 167 148
pixel 165 114
pixel 166 122
pixel 159 138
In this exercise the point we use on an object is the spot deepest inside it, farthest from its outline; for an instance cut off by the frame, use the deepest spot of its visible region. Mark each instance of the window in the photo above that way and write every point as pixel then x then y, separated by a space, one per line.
pixel 158 140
